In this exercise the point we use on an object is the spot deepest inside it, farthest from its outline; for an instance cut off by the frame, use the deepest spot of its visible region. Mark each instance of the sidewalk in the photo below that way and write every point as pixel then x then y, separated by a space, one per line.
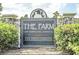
pixel 33 51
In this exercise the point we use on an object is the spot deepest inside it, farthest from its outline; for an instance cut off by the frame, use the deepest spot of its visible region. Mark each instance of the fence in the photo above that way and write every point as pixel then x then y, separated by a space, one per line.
pixel 62 21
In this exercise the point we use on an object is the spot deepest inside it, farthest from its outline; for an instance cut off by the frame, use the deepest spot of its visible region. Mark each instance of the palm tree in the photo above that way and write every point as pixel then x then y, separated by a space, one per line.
pixel 56 14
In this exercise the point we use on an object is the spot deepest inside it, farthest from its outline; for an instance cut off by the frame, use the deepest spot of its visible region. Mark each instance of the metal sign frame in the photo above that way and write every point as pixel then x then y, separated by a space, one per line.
pixel 38 11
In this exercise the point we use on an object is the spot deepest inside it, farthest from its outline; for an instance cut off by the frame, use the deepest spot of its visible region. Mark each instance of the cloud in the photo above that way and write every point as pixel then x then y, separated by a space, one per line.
pixel 52 8
pixel 39 1
pixel 26 8
pixel 16 8
pixel 77 11
pixel 48 7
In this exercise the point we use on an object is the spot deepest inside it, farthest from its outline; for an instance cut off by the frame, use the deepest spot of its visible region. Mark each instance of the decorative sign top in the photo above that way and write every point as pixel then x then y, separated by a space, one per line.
pixel 38 13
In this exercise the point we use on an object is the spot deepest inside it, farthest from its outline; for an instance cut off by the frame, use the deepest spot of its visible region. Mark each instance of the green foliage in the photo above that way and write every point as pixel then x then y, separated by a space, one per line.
pixel 67 38
pixel 8 35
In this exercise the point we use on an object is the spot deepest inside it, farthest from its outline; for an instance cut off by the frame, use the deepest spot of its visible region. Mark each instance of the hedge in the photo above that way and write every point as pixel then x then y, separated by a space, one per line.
pixel 67 38
pixel 8 35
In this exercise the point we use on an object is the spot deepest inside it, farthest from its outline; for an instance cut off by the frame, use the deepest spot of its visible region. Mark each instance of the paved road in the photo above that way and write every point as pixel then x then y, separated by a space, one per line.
pixel 31 51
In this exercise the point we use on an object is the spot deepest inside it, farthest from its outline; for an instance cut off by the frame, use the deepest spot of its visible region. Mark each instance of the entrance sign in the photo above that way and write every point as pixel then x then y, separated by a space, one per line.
pixel 37 32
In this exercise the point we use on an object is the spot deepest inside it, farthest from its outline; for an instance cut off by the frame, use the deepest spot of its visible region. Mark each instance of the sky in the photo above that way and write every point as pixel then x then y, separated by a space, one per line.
pixel 21 9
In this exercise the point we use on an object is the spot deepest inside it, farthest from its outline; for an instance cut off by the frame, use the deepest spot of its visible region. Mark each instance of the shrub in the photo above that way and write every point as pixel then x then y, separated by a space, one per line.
pixel 67 38
pixel 8 35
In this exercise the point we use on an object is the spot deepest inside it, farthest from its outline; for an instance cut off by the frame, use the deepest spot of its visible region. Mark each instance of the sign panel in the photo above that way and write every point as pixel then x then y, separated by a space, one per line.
pixel 37 31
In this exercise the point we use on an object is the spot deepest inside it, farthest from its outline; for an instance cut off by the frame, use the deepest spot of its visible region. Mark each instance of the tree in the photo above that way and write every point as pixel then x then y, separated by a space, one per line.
pixel 0 6
pixel 56 14
pixel 26 16
pixel 0 10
